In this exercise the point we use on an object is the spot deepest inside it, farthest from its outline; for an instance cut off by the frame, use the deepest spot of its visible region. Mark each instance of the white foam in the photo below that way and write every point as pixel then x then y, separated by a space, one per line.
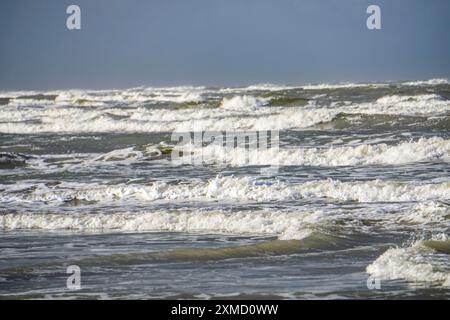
pixel 431 82
pixel 284 225
pixel 270 87
pixel 415 264
pixel 237 114
pixel 129 111
pixel 403 105
pixel 183 97
pixel 322 86
pixel 157 120
pixel 101 98
pixel 244 102
pixel 424 149
pixel 229 188
pixel 120 154
pixel 434 212
pixel 374 191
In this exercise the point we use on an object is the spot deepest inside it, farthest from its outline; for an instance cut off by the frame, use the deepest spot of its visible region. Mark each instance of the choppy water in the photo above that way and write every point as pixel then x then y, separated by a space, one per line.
pixel 359 187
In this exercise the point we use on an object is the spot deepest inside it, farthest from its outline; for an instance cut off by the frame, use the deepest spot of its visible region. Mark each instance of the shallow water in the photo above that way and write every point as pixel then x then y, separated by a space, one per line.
pixel 357 188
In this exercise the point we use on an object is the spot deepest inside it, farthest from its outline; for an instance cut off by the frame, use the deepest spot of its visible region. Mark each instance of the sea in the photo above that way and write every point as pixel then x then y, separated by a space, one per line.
pixel 318 191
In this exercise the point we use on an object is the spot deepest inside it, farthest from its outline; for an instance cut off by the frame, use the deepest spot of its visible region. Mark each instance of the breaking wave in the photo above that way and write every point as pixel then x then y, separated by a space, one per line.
pixel 200 108
pixel 425 262
pixel 286 226
pixel 435 212
pixel 426 104
pixel 229 188
pixel 424 149
pixel 159 120
pixel 248 103
pixel 431 82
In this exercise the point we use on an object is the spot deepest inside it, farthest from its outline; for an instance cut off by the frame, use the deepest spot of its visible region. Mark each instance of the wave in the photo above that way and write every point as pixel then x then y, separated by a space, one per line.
pixel 433 149
pixel 427 212
pixel 228 188
pixel 264 87
pixel 321 86
pixel 245 102
pixel 179 94
pixel 285 226
pixel 425 262
pixel 430 82
pixel 328 86
pixel 426 104
pixel 103 98
pixel 147 120
pixel 310 242
pixel 144 110
pixel 424 149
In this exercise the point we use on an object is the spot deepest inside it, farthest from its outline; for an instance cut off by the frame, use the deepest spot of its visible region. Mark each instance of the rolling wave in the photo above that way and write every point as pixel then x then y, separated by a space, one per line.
pixel 424 149
pixel 262 107
pixel 423 263
pixel 227 189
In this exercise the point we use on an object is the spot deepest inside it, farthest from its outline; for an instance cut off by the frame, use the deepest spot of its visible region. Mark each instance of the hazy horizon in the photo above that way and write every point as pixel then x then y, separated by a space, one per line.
pixel 228 86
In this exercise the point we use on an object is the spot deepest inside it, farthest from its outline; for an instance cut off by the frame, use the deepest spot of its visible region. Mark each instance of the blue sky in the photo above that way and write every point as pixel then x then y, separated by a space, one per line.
pixel 219 42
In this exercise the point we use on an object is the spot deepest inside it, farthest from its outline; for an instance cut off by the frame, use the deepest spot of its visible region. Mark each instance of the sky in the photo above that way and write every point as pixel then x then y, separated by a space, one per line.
pixel 125 44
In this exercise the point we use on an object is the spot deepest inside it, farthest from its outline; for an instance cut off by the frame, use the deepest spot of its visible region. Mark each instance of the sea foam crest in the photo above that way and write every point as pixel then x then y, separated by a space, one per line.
pixel 286 226
pixel 417 264
pixel 424 149
pixel 229 188
pixel 244 102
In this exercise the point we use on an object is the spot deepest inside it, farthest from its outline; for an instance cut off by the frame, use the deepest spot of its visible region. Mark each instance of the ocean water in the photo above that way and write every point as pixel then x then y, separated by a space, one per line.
pixel 350 199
